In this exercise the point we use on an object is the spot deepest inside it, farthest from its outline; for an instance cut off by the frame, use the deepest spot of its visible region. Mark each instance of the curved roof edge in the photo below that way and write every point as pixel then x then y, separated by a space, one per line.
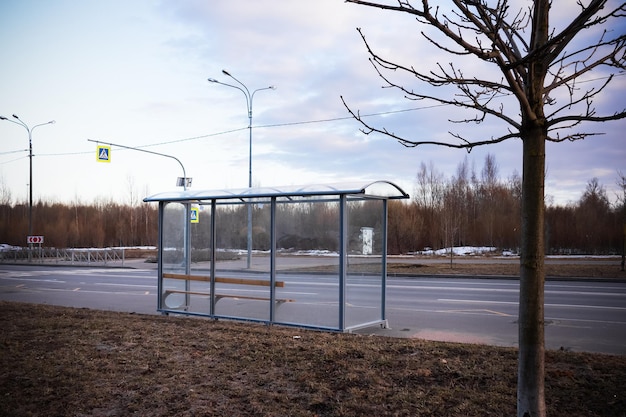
pixel 381 188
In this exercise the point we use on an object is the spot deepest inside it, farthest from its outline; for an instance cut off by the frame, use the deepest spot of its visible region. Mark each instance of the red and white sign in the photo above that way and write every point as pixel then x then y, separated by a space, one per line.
pixel 34 239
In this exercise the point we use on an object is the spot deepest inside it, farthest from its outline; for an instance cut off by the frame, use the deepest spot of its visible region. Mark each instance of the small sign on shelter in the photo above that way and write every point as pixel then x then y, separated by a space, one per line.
pixel 195 215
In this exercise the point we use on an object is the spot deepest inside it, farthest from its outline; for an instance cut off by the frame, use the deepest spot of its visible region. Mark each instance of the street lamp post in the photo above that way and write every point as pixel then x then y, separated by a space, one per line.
pixel 249 98
pixel 20 122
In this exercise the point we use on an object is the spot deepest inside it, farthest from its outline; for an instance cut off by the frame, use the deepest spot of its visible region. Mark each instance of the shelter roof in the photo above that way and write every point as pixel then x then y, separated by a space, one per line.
pixel 381 189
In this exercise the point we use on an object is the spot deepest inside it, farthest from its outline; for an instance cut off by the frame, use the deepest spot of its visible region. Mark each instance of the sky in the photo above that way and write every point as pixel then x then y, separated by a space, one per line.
pixel 134 73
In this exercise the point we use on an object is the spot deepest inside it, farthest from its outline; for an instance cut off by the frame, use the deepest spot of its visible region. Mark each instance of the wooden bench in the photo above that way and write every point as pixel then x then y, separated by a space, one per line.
pixel 224 280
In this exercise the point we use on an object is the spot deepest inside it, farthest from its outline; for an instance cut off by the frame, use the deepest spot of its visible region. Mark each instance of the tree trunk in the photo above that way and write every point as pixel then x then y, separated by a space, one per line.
pixel 531 367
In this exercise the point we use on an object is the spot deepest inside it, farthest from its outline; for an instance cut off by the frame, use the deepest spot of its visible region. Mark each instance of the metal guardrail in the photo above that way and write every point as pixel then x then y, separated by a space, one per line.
pixel 60 256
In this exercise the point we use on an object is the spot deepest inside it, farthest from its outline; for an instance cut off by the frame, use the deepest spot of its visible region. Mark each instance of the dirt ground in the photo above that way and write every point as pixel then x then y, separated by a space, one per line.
pixel 58 361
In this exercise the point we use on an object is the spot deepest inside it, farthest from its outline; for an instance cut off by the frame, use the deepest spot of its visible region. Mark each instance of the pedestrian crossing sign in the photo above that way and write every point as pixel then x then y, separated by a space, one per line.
pixel 195 215
pixel 103 153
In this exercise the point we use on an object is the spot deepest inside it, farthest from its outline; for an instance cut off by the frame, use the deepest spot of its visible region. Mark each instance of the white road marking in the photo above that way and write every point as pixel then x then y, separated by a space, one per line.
pixel 451 300
pixel 112 284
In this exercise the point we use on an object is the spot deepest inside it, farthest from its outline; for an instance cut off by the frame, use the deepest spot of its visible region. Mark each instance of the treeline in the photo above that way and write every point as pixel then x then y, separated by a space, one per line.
pixel 479 209
pixel 99 225
pixel 466 209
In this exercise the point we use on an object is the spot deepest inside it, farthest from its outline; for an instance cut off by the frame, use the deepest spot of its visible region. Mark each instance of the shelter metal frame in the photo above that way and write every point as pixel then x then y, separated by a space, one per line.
pixel 211 201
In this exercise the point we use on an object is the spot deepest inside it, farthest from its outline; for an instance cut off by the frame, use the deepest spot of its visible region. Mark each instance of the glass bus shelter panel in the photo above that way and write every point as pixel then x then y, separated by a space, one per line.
pixel 198 286
pixel 186 255
pixel 187 295
pixel 242 278
pixel 307 261
pixel 364 278
pixel 363 295
pixel 230 227
pixel 310 301
pixel 200 232
pixel 172 255
pixel 172 250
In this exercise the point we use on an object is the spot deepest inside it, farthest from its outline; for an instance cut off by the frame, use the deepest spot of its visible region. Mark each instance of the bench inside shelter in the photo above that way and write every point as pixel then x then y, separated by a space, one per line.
pixel 235 281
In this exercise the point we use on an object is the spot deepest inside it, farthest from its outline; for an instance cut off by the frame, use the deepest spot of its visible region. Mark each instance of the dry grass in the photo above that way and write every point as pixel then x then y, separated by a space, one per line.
pixel 589 269
pixel 58 361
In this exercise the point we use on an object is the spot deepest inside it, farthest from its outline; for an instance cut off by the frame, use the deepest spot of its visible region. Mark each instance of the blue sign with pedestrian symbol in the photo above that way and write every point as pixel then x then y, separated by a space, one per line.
pixel 195 215
pixel 103 153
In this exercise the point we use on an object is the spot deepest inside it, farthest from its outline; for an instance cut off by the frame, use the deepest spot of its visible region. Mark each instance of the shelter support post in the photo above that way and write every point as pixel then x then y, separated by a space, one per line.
pixel 343 260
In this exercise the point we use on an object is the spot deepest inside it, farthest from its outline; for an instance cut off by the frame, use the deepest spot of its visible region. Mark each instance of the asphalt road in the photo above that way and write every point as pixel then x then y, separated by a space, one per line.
pixel 580 315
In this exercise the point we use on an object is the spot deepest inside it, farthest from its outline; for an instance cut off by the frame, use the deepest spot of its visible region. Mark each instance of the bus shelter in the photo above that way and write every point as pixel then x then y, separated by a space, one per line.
pixel 308 256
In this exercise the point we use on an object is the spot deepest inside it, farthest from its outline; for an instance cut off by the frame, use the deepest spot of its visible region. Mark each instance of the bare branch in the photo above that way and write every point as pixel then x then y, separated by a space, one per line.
pixel 489 89
pixel 573 137
pixel 586 118
pixel 586 19
pixel 464 144
pixel 586 97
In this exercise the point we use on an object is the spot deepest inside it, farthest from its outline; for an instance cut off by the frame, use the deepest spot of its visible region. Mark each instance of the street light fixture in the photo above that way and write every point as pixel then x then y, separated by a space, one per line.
pixel 30 157
pixel 249 98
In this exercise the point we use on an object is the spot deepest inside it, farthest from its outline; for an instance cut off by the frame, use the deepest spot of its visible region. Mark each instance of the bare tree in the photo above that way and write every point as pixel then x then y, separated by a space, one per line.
pixel 542 68
pixel 489 176
pixel 428 197
pixel 592 212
